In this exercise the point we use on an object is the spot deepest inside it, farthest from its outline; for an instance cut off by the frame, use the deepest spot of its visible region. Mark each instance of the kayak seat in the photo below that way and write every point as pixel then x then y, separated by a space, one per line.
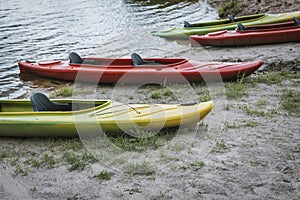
pixel 186 24
pixel 296 20
pixel 41 102
pixel 76 59
pixel 240 27
pixel 231 18
pixel 137 60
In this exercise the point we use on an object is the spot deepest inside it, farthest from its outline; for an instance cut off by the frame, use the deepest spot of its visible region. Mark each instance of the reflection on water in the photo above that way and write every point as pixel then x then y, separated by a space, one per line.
pixel 43 30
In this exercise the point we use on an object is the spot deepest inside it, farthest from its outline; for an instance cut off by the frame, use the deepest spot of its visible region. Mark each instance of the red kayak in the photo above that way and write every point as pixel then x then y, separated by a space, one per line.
pixel 252 35
pixel 136 69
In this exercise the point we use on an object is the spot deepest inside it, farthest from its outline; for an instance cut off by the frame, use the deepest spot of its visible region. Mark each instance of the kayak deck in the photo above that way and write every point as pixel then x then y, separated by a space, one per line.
pixel 20 118
pixel 149 70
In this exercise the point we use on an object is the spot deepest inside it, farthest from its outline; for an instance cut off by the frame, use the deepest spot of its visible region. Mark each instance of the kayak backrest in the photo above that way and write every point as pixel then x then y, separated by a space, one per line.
pixel 186 24
pixel 240 27
pixel 296 20
pixel 231 18
pixel 137 60
pixel 75 58
pixel 41 102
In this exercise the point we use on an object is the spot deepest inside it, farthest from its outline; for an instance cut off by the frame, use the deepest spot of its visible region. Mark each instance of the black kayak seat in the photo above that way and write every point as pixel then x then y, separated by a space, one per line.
pixel 76 59
pixel 41 102
pixel 240 27
pixel 297 21
pixel 137 60
pixel 231 18
pixel 186 24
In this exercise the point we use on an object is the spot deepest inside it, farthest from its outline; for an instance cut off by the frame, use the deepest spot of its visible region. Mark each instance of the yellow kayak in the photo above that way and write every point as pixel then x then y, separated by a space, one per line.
pixel 41 117
pixel 225 24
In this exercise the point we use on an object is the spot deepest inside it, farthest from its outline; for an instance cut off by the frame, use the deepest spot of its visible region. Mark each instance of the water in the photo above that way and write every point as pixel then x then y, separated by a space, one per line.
pixel 43 30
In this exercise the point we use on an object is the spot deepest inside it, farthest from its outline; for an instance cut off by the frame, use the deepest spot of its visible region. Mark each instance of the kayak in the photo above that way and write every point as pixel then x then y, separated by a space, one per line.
pixel 137 70
pixel 225 24
pixel 41 117
pixel 251 35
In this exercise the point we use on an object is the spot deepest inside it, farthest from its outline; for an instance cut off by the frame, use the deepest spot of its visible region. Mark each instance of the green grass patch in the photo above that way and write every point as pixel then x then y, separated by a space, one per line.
pixel 231 7
pixel 276 77
pixel 250 123
pixel 33 162
pixel 143 168
pixel 160 93
pixel 72 144
pixel 48 161
pixel 204 95
pixel 258 111
pixel 3 155
pixel 290 101
pixel 64 92
pixel 104 175
pixel 195 166
pixel 220 147
pixel 78 161
pixel 20 171
pixel 236 90
pixel 231 125
pixel 261 103
pixel 140 140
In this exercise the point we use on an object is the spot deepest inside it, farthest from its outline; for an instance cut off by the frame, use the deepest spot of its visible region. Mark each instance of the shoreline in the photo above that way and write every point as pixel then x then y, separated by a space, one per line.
pixel 259 6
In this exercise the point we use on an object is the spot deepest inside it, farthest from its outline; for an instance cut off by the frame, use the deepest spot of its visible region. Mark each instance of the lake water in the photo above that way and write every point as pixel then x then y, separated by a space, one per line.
pixel 42 30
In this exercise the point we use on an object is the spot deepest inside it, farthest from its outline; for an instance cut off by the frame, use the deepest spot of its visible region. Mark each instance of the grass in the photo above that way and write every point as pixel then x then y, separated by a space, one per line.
pixel 143 168
pixel 231 7
pixel 290 101
pixel 195 166
pixel 256 111
pixel 236 90
pixel 64 92
pixel 231 125
pixel 276 77
pixel 250 123
pixel 33 162
pixel 104 175
pixel 244 123
pixel 161 93
pixel 3 155
pixel 141 140
pixel 78 161
pixel 48 161
pixel 219 147
pixel 204 95
pixel 164 157
pixel 261 103
pixel 20 171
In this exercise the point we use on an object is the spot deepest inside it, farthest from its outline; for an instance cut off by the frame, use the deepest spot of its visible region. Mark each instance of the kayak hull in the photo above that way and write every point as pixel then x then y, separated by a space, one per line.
pixel 17 118
pixel 121 70
pixel 208 27
pixel 254 35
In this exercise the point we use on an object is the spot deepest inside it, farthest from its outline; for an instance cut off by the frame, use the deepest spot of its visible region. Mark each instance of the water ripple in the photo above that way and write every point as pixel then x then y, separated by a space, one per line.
pixel 39 30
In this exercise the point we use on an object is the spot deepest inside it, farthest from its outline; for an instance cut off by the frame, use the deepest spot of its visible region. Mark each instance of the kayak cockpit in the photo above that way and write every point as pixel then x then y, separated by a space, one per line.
pixel 229 20
pixel 40 103
pixel 135 61
pixel 265 27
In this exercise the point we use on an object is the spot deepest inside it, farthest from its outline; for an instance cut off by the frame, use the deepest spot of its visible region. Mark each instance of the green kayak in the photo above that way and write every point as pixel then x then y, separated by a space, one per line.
pixel 225 24
pixel 42 117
